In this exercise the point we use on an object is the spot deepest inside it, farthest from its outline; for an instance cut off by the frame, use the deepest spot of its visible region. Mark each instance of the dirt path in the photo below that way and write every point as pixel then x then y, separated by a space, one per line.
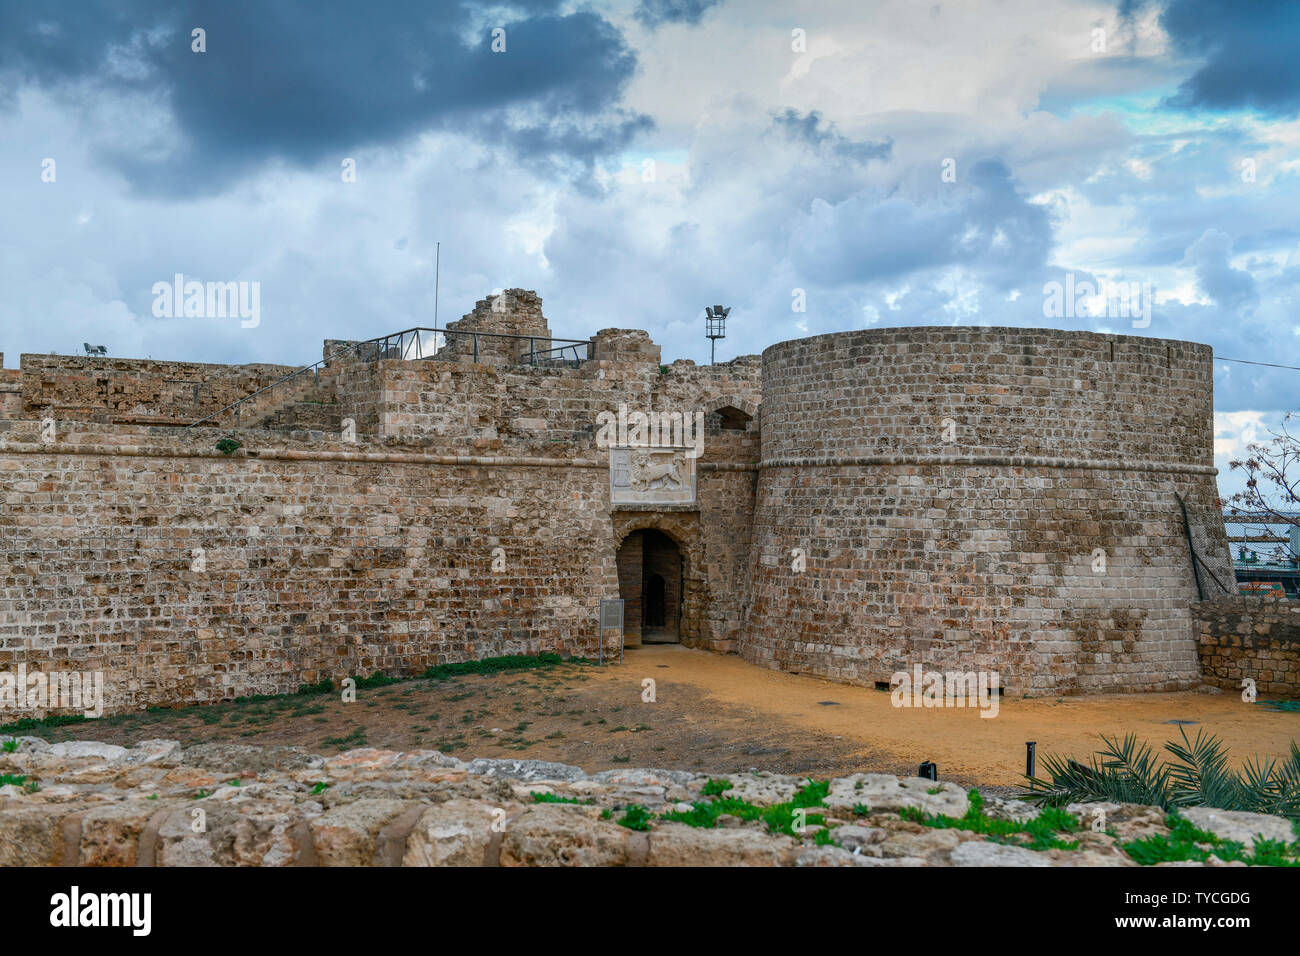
pixel 711 713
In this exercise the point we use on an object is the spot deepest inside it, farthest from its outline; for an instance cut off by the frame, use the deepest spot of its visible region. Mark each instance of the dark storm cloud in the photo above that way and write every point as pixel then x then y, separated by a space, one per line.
pixel 303 81
pixel 821 135
pixel 655 13
pixel 1249 52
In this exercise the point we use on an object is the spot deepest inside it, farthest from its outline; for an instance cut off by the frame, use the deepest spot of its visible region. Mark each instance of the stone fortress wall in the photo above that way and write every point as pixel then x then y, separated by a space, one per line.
pixel 1250 639
pixel 187 574
pixel 130 545
pixel 988 499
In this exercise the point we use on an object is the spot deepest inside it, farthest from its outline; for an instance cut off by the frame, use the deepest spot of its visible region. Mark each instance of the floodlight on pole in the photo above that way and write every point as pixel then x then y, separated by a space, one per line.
pixel 715 321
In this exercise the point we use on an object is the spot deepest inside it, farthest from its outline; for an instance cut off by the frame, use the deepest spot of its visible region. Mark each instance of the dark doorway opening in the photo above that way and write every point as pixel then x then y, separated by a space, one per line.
pixel 654 601
pixel 650 583
pixel 729 419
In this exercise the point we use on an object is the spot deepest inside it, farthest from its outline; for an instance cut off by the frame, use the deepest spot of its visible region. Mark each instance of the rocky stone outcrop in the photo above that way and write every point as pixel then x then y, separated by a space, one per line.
pixel 1240 826
pixel 157 804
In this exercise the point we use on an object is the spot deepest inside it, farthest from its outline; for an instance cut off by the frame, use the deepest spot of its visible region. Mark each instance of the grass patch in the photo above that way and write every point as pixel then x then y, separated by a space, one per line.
pixel 495 665
pixel 715 788
pixel 31 723
pixel 18 780
pixel 825 837
pixel 355 739
pixel 813 794
pixel 553 798
pixel 779 818
pixel 636 817
pixel 1042 833
pixel 1186 842
pixel 377 679
pixel 320 687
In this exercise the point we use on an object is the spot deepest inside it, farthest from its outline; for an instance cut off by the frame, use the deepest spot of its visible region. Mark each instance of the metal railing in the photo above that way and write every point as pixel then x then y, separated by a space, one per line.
pixel 401 345
pixel 422 343
pixel 570 356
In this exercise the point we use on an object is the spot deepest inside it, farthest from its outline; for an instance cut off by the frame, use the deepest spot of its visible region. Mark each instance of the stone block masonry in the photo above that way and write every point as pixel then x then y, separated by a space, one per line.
pixel 984 499
pixel 186 575
pixel 1255 637
pixel 144 391
pixel 950 491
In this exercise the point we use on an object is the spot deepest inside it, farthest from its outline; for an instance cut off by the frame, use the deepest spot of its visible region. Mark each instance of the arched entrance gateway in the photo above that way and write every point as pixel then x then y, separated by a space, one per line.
pixel 651 584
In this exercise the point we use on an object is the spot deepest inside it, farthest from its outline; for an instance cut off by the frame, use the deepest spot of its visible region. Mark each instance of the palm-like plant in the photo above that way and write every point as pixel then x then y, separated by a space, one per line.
pixel 1128 772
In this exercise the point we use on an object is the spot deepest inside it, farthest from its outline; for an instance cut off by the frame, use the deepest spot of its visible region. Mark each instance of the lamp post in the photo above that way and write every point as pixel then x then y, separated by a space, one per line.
pixel 715 321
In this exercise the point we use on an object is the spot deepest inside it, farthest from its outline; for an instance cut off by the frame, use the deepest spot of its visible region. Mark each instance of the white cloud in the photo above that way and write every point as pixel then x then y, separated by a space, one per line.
pixel 1233 431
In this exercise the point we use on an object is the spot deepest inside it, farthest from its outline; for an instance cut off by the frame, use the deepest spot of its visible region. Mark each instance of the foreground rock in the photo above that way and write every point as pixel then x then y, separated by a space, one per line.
pixel 156 804
pixel 1241 826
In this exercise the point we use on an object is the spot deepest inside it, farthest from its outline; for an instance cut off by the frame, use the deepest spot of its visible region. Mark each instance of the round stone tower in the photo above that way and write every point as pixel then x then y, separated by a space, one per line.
pixel 1005 500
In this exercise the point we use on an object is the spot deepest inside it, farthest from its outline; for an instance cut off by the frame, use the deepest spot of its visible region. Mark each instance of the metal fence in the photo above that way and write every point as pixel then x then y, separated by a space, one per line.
pixel 430 343
pixel 425 343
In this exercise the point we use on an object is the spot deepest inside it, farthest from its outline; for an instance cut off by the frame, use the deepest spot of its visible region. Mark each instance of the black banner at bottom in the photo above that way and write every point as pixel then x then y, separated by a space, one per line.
pixel 266 905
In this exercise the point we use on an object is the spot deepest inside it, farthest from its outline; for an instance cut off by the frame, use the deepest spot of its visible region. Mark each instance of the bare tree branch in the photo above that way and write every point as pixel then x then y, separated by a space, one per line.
pixel 1272 470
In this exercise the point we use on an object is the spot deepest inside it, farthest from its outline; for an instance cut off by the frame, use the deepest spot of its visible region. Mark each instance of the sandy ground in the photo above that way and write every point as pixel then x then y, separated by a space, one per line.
pixel 959 740
pixel 711 714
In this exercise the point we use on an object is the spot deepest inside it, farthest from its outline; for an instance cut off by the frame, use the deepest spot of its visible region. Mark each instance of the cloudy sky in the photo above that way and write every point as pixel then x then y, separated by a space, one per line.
pixel 891 163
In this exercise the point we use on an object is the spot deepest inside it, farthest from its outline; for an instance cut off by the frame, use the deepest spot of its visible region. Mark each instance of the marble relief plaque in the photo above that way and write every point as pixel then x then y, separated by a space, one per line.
pixel 661 476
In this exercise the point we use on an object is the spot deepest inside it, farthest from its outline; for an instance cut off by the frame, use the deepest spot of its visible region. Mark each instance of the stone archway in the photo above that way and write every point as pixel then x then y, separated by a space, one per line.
pixel 651 583
pixel 730 413
pixel 681 527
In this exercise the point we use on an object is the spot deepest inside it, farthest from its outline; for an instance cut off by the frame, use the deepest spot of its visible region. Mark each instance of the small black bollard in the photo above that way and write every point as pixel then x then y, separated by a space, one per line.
pixel 929 771
pixel 1029 757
